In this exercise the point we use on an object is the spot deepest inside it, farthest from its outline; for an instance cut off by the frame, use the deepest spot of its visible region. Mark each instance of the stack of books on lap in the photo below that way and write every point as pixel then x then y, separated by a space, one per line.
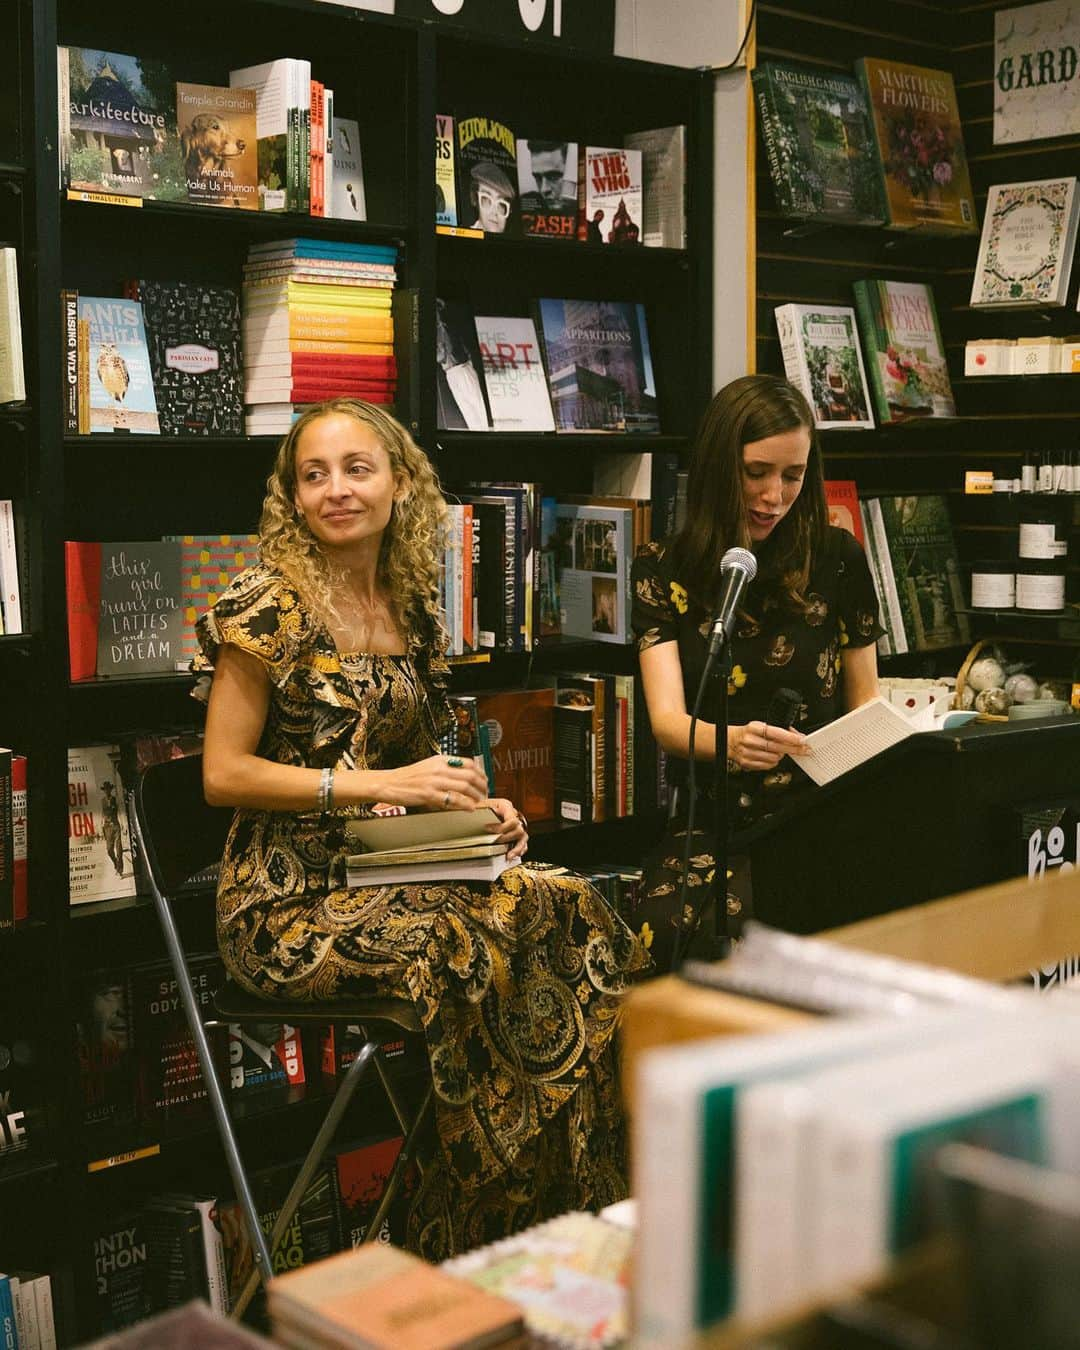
pixel 431 846
pixel 317 324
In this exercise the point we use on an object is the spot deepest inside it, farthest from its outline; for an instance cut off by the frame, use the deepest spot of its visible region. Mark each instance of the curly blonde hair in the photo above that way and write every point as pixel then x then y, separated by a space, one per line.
pixel 412 542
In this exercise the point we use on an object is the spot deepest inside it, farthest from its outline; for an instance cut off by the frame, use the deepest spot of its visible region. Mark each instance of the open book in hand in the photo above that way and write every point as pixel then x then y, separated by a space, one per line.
pixel 859 735
pixel 428 846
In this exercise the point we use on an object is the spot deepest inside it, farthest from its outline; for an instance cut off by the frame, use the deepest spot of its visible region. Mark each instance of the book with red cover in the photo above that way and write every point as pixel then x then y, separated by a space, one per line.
pixel 362 1173
pixel 520 725
pixel 82 574
pixel 842 500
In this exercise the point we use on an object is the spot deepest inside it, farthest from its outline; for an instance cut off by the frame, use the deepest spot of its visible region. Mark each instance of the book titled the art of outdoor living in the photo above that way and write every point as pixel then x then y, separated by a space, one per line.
pixel 120 385
pixel 118 125
pixel 819 143
pixel 923 558
pixel 905 355
pixel 920 146
pixel 1028 241
pixel 599 365
pixel 822 357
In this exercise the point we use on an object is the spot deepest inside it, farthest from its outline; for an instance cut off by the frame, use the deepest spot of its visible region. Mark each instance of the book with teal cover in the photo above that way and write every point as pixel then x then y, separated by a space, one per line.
pixel 121 385
pixel 922 554
pixel 819 143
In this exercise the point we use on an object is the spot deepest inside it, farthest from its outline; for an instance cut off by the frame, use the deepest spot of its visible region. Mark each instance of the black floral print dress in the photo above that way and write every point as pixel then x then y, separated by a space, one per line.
pixel 774 647
pixel 517 983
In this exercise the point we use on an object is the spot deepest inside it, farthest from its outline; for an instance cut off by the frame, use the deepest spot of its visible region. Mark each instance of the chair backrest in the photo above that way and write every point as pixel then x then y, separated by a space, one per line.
pixel 182 835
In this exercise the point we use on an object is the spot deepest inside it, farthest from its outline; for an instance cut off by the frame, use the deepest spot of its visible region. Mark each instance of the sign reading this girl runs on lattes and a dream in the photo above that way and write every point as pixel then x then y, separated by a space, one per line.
pixel 1037 71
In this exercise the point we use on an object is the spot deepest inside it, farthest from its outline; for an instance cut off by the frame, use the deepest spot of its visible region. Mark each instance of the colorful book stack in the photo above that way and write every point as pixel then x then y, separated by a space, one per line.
pixel 317 324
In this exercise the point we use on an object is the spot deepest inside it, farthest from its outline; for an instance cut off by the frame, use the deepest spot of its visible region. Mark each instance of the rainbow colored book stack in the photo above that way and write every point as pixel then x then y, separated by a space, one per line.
pixel 317 324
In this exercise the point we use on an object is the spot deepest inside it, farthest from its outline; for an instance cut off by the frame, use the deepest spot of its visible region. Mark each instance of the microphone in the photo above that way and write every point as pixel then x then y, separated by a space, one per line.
pixel 783 708
pixel 738 567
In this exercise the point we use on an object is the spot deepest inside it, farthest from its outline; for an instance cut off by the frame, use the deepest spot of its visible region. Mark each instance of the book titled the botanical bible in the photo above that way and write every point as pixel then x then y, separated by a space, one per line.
pixel 1028 241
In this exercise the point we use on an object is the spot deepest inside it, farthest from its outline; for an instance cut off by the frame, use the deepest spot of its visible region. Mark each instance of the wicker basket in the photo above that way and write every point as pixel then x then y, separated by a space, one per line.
pixel 962 676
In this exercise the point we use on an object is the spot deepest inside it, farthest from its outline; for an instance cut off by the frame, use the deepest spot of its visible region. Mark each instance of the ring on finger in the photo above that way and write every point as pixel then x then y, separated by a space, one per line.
pixel 765 732
pixel 456 763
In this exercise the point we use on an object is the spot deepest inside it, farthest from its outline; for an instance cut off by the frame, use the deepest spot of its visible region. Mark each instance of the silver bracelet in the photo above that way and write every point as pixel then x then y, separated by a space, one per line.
pixel 326 788
pixel 329 788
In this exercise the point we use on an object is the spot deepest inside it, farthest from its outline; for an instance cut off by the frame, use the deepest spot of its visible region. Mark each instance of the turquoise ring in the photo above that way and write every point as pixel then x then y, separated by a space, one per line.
pixel 456 763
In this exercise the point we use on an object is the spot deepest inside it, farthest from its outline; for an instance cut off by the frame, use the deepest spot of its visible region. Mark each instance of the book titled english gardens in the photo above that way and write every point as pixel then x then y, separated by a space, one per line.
pixel 920 143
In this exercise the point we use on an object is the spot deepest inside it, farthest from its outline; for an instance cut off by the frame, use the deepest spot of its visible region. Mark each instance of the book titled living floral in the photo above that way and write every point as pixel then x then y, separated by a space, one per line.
pixel 1028 241
pixel 920 144
pixel 822 357
pixel 905 354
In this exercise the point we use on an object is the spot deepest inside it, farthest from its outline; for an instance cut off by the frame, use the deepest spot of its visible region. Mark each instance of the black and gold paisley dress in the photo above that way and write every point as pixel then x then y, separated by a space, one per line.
pixel 517 983
pixel 774 647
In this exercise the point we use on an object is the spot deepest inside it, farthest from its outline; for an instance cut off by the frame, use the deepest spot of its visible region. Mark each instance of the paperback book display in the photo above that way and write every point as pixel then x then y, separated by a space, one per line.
pixel 905 353
pixel 609 195
pixel 219 145
pixel 822 357
pixel 486 174
pixel 1028 241
pixel 117 375
pixel 920 145
pixel 815 126
pixel 100 865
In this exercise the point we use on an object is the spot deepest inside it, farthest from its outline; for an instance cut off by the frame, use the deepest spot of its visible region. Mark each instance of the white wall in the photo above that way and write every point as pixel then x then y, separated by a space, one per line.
pixel 700 33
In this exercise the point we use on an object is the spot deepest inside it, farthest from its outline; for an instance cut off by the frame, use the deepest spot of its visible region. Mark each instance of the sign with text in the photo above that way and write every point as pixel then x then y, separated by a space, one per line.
pixel 588 24
pixel 1037 71
pixel 140 622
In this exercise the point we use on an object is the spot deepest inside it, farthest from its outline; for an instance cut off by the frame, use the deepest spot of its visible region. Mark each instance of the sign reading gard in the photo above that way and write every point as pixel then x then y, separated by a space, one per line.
pixel 1037 71
pixel 588 24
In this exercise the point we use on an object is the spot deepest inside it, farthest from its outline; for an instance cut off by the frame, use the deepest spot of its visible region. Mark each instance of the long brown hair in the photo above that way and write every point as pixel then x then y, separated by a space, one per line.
pixel 751 408
pixel 412 542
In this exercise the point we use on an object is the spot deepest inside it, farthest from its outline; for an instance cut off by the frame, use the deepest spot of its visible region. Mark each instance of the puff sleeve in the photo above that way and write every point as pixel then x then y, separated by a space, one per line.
pixel 261 613
pixel 858 602
pixel 654 606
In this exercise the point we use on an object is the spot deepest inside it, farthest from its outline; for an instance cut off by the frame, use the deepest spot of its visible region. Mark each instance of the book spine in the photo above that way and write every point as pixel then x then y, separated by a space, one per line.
pixel 884 644
pixel 898 634
pixel 9 570
pixel 7 844
pixel 865 79
pixel 303 91
pixel 868 309
pixel 213 1257
pixel 43 1305
pixel 20 882
pixel 512 569
pixel 9 1339
pixel 792 354
pixel 69 392
pixel 26 1314
pixel 83 375
pixel 770 130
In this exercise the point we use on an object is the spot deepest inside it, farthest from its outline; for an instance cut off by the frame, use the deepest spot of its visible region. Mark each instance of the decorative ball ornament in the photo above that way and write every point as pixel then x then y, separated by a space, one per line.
pixel 993 701
pixel 966 698
pixel 1055 689
pixel 1021 688
pixel 986 673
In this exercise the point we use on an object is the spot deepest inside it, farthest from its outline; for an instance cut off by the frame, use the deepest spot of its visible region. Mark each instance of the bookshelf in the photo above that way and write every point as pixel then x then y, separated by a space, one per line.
pixel 997 418
pixel 392 75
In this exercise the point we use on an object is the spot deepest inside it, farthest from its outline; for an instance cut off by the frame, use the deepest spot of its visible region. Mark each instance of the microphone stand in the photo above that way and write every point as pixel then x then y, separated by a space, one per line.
pixel 718 890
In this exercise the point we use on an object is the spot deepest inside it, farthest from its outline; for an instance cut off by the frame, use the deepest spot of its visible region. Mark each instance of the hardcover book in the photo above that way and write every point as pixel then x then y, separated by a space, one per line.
pixel 842 501
pixel 599 365
pixel 920 144
pixel 922 553
pixel 609 195
pixel 348 201
pixel 282 108
pixel 822 357
pixel 22 1083
pixel 121 386
pixel 193 336
pixel 99 843
pixel 12 374
pixel 460 392
pixel 264 1056
pixel 819 145
pixel 593 548
pixel 514 374
pixel 1028 241
pixel 547 181
pixel 904 350
pixel 219 145
pixel 519 724
pixel 208 563
pixel 119 1249
pixel 140 618
pixel 118 125
pixel 486 172
pixel 445 191
pixel 362 1173
pixel 663 177
pixel 106 1055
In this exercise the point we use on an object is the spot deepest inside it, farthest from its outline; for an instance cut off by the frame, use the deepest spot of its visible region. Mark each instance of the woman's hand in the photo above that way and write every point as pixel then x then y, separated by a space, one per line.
pixel 513 832
pixel 439 783
pixel 757 746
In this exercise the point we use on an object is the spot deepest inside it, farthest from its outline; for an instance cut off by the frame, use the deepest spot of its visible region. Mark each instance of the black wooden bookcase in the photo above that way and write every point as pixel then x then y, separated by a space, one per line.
pixel 393 75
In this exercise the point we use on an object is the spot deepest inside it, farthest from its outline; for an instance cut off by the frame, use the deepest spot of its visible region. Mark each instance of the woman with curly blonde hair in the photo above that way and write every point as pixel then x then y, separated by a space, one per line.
pixel 329 697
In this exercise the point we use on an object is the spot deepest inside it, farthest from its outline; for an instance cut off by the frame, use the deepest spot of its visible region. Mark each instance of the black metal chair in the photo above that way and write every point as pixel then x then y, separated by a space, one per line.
pixel 181 837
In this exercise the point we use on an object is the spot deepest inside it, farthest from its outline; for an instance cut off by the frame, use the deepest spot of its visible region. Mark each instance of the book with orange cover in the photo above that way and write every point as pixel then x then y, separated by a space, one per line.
pixel 378 1297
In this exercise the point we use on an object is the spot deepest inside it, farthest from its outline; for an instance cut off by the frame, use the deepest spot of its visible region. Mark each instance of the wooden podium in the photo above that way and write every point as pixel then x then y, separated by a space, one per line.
pixel 934 815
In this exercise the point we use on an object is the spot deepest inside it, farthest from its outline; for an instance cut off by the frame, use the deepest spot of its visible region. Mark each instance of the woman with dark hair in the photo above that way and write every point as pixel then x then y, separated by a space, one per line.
pixel 328 697
pixel 808 622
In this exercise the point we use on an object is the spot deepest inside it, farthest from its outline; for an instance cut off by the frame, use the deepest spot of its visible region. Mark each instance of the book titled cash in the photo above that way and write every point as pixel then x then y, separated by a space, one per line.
pixel 1027 246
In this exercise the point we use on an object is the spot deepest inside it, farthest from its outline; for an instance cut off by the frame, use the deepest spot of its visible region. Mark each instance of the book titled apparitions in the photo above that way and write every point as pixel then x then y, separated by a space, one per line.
pixel 121 387
pixel 819 145
pixel 193 337
pixel 486 174
pixel 219 145
pixel 100 865
pixel 822 357
pixel 118 125
pixel 599 365
pixel 920 142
